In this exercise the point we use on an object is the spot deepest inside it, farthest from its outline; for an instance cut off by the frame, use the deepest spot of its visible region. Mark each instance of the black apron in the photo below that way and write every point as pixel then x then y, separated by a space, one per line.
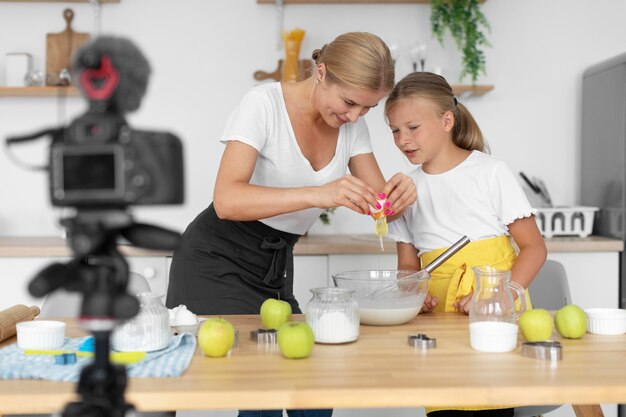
pixel 231 267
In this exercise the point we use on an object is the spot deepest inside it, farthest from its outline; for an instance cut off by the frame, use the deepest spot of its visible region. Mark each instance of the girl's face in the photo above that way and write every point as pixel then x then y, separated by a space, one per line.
pixel 339 105
pixel 418 131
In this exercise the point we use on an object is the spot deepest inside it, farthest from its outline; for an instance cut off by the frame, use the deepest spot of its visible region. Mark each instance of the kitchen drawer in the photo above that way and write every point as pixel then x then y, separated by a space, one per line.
pixel 16 274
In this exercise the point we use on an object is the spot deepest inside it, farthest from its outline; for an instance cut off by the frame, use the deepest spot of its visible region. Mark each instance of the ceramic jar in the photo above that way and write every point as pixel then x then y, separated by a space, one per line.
pixel 146 332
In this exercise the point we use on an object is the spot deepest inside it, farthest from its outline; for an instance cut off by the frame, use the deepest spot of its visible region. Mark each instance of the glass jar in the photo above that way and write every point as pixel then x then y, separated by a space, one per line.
pixel 147 331
pixel 333 315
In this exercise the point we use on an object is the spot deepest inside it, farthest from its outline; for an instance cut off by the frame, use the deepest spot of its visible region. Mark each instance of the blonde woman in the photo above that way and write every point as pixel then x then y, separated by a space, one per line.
pixel 288 149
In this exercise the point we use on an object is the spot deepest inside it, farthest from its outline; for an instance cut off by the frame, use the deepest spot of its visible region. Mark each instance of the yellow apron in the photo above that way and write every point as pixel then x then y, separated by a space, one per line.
pixel 454 279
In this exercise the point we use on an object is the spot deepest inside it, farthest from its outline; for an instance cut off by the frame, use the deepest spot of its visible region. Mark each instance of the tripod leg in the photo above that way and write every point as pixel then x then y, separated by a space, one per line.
pixel 101 385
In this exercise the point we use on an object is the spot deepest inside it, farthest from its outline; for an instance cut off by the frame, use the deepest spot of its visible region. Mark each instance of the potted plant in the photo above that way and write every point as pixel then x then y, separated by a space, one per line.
pixel 465 22
pixel 325 216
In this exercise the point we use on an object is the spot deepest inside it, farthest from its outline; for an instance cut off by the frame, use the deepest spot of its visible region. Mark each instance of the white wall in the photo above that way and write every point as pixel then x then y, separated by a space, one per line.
pixel 204 54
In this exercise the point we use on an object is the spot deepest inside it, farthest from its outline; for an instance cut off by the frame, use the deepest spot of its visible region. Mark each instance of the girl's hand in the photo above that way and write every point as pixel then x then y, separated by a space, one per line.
pixel 400 193
pixel 464 303
pixel 429 304
pixel 347 191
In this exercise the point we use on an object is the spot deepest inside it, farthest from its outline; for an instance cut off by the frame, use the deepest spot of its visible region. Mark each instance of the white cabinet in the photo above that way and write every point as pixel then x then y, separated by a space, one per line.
pixel 15 275
pixel 309 272
pixel 593 277
pixel 155 269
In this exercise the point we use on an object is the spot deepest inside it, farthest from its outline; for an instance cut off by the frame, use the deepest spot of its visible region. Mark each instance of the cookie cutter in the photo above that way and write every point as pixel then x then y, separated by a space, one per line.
pixel 421 341
pixel 549 350
pixel 264 337
pixel 236 341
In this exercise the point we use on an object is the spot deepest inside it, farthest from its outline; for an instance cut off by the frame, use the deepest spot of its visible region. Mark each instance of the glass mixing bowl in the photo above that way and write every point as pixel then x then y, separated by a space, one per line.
pixel 386 297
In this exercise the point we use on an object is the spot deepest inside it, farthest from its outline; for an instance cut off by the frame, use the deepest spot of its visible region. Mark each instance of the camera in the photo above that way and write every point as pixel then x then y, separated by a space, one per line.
pixel 98 160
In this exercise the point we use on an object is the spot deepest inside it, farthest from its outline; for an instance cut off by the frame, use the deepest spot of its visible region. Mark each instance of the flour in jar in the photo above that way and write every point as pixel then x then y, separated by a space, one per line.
pixel 334 327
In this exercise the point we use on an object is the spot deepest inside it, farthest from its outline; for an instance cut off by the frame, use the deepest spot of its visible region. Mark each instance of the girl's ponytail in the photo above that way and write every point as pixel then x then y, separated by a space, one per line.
pixel 466 134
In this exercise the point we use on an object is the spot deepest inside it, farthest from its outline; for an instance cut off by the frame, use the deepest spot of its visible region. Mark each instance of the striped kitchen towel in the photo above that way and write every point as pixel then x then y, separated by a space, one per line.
pixel 169 362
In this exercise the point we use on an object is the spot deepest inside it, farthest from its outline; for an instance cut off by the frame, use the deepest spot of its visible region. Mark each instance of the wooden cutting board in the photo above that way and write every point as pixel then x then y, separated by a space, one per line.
pixel 60 47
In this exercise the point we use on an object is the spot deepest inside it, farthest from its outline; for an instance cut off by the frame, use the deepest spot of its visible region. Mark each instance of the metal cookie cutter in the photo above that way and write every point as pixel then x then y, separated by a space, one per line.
pixel 264 337
pixel 236 341
pixel 548 350
pixel 421 341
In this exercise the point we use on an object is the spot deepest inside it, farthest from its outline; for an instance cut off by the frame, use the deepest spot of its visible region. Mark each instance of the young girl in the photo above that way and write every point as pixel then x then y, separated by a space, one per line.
pixel 460 191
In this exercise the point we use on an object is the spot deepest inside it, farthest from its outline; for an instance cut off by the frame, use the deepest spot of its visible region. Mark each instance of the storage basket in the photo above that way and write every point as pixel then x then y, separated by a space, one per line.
pixel 565 221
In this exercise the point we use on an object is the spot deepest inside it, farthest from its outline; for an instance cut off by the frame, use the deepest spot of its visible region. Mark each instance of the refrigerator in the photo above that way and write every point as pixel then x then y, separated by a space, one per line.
pixel 603 155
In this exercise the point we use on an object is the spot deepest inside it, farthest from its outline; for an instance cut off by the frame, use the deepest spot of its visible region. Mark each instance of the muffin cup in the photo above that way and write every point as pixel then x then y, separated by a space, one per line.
pixel 607 321
pixel 40 334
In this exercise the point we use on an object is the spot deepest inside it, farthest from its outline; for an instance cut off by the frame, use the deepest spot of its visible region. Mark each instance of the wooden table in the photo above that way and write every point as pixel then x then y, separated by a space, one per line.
pixel 379 370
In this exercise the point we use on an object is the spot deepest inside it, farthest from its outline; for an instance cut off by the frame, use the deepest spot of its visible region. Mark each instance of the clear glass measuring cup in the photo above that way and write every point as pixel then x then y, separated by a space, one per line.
pixel 493 314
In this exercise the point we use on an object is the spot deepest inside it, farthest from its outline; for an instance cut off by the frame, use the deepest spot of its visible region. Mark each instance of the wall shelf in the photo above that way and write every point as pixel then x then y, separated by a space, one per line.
pixel 56 1
pixel 38 91
pixel 466 90
pixel 348 1
pixel 342 1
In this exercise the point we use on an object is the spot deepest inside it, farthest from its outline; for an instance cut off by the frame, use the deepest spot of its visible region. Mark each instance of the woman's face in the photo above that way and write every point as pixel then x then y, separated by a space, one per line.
pixel 418 131
pixel 339 105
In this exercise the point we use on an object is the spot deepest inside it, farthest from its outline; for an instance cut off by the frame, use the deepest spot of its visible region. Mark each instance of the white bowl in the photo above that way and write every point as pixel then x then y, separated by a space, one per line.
pixel 40 334
pixel 606 320
pixel 385 297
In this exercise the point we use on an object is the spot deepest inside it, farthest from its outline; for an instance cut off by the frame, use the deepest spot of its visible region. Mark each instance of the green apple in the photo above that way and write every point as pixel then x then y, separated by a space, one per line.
pixel 275 313
pixel 216 337
pixel 536 325
pixel 571 322
pixel 295 340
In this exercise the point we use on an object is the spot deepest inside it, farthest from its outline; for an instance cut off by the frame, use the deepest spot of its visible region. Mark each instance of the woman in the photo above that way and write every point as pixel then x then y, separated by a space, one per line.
pixel 287 150
pixel 288 147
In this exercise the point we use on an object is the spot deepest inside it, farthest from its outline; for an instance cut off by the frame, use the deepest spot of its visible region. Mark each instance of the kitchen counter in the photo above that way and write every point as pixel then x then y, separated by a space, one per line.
pixel 308 245
pixel 378 370
pixel 317 257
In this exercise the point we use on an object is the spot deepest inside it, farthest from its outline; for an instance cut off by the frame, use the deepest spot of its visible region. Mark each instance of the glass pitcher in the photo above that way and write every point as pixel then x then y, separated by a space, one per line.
pixel 492 314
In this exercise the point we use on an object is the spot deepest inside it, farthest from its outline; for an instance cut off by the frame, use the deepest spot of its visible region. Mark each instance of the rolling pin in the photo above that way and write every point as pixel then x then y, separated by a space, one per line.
pixel 13 315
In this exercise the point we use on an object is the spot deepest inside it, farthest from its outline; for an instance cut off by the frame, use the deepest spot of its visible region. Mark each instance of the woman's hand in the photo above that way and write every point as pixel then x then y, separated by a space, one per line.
pixel 400 193
pixel 347 191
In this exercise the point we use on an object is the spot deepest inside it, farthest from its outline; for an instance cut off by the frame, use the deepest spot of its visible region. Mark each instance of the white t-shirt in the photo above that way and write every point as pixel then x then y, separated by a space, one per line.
pixel 261 121
pixel 478 198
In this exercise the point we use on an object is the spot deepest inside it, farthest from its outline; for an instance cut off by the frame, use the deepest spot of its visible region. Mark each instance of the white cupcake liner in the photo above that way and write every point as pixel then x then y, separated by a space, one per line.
pixel 40 334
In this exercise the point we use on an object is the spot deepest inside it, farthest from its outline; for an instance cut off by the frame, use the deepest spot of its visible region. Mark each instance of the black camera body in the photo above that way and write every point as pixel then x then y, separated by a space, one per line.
pixel 100 161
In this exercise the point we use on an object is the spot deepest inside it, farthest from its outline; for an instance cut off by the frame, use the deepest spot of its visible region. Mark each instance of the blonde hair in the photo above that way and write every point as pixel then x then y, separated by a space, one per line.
pixel 465 133
pixel 357 59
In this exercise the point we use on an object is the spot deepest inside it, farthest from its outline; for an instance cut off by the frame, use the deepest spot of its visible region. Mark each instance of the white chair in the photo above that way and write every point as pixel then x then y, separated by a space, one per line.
pixel 548 290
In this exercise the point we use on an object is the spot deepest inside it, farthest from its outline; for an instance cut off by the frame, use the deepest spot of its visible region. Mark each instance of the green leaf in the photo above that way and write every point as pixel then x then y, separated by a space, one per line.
pixel 466 22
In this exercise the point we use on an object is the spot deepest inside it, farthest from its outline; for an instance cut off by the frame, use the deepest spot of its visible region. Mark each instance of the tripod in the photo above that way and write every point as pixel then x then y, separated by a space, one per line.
pixel 100 273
